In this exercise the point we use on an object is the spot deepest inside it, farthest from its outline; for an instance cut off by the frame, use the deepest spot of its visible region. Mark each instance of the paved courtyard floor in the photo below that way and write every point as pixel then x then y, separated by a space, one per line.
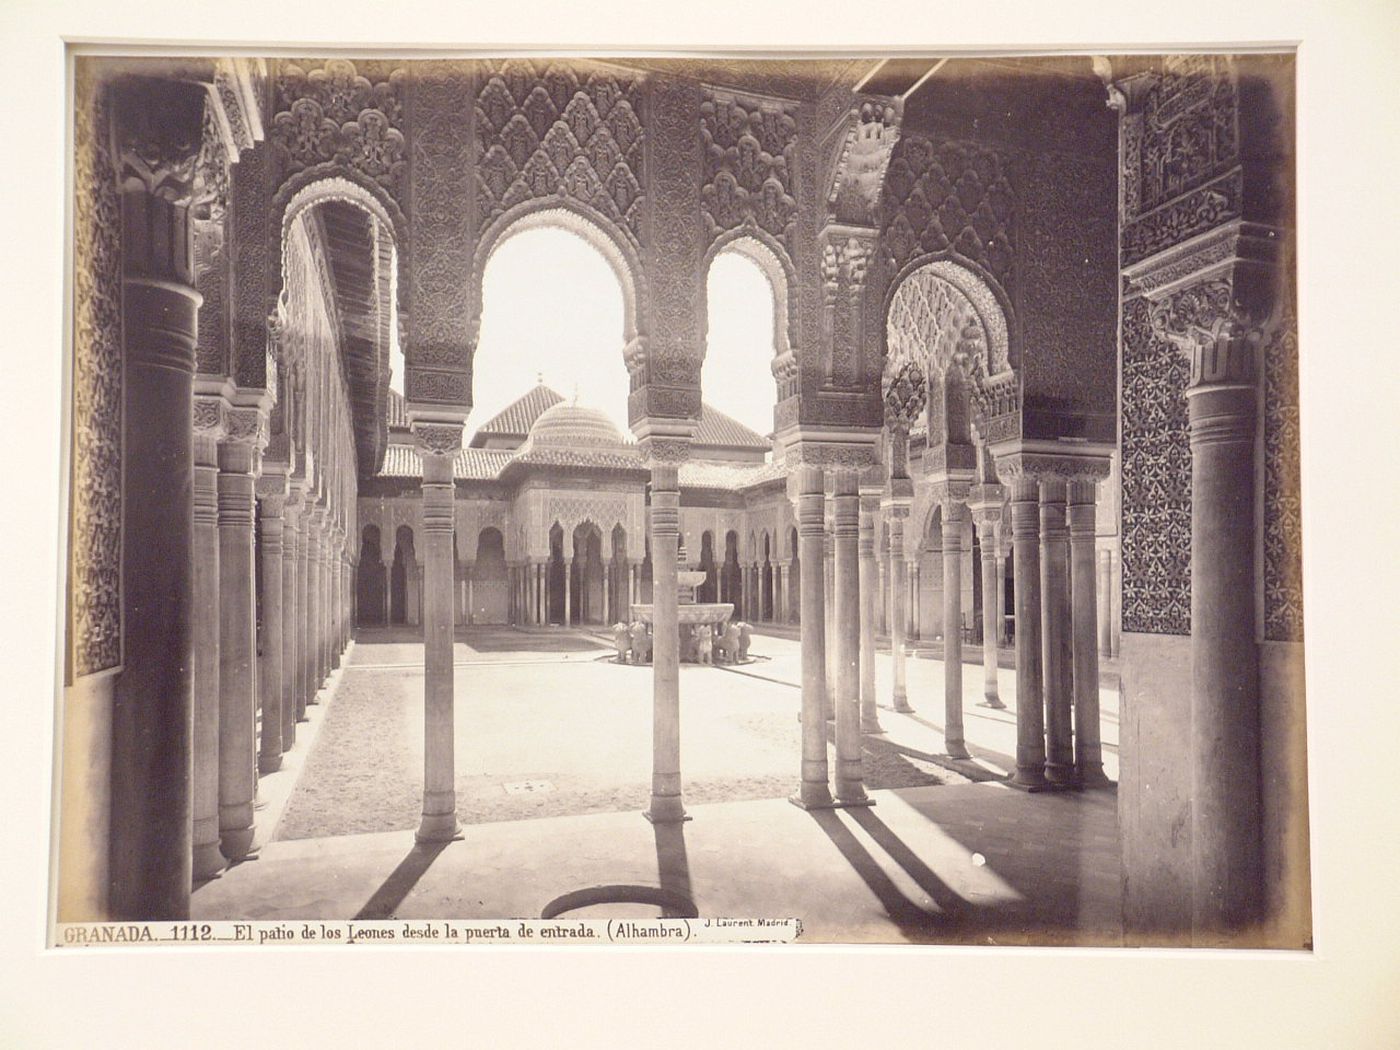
pixel 553 757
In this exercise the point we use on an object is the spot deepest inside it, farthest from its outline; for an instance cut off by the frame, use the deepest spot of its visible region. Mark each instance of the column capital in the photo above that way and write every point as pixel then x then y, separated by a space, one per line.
pixel 437 437
pixel 158 130
pixel 1035 460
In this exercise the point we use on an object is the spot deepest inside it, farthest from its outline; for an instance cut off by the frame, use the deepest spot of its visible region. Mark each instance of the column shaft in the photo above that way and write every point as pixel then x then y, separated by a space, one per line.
pixel 814 791
pixel 953 735
pixel 439 819
pixel 1105 602
pixel 869 602
pixel 270 524
pixel 1055 634
pixel 829 610
pixel 1088 748
pixel 667 804
pixel 207 859
pixel 1000 598
pixel 291 613
pixel 237 660
pixel 302 626
pixel 1030 697
pixel 1225 703
pixel 850 780
pixel 897 627
pixel 991 694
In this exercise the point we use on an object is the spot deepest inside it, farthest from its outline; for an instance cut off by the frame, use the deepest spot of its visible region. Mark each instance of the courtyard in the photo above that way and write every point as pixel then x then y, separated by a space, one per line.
pixel 553 758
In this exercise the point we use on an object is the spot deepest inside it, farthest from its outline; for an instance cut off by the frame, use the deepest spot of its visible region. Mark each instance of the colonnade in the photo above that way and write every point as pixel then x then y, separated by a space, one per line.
pixel 273 592
pixel 532 592
pixel 1057 613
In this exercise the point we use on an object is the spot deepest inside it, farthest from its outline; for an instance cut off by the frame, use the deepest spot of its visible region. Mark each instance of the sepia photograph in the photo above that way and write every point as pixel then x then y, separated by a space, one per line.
pixel 881 469
pixel 699 526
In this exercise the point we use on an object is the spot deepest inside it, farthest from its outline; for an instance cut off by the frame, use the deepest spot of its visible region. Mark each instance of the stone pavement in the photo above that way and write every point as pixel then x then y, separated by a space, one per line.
pixel 964 862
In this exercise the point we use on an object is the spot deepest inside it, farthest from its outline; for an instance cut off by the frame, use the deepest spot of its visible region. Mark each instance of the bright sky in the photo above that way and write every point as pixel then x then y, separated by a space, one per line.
pixel 551 306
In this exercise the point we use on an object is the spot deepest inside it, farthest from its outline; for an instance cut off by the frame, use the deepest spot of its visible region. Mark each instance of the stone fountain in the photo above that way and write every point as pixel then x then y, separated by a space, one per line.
pixel 693 617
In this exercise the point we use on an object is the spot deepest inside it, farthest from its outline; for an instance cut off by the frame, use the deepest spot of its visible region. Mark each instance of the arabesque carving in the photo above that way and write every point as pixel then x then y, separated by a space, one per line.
pixel 333 114
pixel 1156 473
pixel 749 146
pixel 94 571
pixel 560 129
pixel 1283 511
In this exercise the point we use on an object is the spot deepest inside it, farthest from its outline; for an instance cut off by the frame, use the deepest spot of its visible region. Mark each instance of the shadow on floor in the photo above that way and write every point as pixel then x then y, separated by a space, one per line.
pixel 401 881
pixel 913 920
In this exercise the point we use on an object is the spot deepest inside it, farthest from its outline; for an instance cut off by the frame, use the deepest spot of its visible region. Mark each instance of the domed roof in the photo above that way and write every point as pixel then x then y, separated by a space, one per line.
pixel 571 425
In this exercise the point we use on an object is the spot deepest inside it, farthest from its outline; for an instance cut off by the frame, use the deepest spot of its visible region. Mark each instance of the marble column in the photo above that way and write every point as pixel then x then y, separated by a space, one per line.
pixel 272 498
pixel 1225 697
pixel 667 804
pixel 238 468
pixel 897 514
pixel 883 592
pixel 291 614
pixel 1001 638
pixel 953 735
pixel 814 791
pixel 324 609
pixel 916 621
pixel 869 602
pixel 156 134
pixel 1030 695
pixel 333 568
pixel 1056 657
pixel 850 779
pixel 438 444
pixel 829 608
pixel 209 428
pixel 568 592
pixel 1105 602
pixel 314 536
pixel 302 626
pixel 1088 746
pixel 607 617
pixel 988 522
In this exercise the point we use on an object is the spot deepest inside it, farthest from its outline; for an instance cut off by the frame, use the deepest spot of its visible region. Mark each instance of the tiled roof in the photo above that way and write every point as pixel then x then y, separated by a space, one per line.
pixel 516 418
pixel 697 474
pixel 398 411
pixel 476 464
pixel 718 430
pixel 623 457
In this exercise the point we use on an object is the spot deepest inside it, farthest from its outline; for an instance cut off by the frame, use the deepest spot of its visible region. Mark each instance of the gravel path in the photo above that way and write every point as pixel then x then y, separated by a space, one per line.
pixel 557 732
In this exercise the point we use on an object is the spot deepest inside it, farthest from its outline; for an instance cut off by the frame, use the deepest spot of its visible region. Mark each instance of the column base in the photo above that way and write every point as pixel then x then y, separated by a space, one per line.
pixel 1061 777
pixel 957 750
pixel 268 765
pixel 208 863
pixel 1093 776
pixel 994 702
pixel 871 726
pixel 1028 784
pixel 666 809
pixel 853 799
pixel 902 706
pixel 437 828
pixel 236 845
pixel 813 796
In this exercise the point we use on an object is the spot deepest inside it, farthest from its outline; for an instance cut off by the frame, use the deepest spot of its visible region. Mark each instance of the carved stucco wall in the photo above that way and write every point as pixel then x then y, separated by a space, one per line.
pixel 1282 481
pixel 1180 156
pixel 335 114
pixel 440 323
pixel 1156 480
pixel 560 130
pixel 96 511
